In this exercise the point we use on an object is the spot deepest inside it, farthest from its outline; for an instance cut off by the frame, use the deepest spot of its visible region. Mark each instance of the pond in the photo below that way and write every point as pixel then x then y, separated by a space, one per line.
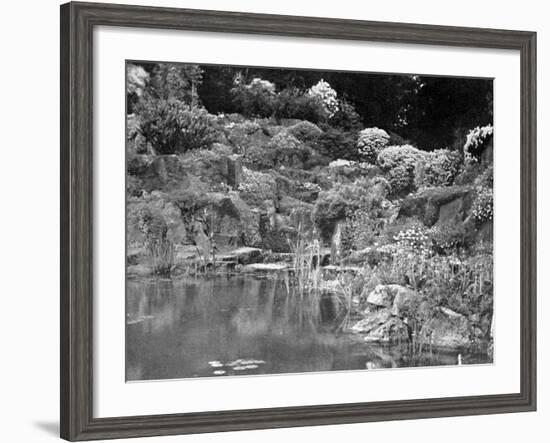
pixel 239 325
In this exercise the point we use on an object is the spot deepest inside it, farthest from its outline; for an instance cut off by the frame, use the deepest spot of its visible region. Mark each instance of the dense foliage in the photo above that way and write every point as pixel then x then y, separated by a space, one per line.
pixel 171 126
pixel 400 163
pixel 370 142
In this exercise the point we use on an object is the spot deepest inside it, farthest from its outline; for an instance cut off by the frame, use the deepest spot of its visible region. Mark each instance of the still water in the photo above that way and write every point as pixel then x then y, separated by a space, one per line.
pixel 240 325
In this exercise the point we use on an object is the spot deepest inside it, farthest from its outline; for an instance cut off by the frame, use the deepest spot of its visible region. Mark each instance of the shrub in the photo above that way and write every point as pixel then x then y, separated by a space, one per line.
pixel 399 164
pixel 305 131
pixel 437 168
pixel 255 99
pixel 370 142
pixel 346 117
pixel 257 187
pixel 171 126
pixel 137 80
pixel 485 178
pixel 476 142
pixel 258 157
pixel 294 103
pixel 244 134
pixel 285 150
pixel 448 238
pixel 336 144
pixel 326 95
pixel 482 207
pixel 344 200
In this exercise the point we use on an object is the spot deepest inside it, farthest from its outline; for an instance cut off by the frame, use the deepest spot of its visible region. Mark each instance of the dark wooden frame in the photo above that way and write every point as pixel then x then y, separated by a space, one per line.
pixel 77 23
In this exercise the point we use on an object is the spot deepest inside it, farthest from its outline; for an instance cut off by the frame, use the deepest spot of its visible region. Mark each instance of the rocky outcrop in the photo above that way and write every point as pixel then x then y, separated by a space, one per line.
pixel 406 303
pixel 392 331
pixel 392 311
pixel 398 298
pixel 449 329
pixel 265 268
pixel 169 172
pixel 243 256
pixel 438 205
pixel 372 321
pixel 386 317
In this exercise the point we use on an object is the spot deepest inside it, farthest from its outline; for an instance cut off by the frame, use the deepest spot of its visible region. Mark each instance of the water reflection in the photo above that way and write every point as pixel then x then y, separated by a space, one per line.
pixel 240 325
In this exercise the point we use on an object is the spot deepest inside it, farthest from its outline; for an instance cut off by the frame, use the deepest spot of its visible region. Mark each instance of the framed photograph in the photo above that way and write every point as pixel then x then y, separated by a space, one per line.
pixel 272 221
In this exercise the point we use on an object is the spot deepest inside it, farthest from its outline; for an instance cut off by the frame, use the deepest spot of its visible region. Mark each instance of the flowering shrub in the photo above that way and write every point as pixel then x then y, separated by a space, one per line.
pixel 476 141
pixel 305 131
pixel 256 186
pixel 399 164
pixel 294 103
pixel 485 178
pixel 256 98
pixel 136 80
pixel 437 168
pixel 414 239
pixel 326 95
pixel 171 126
pixel 482 207
pixel 370 142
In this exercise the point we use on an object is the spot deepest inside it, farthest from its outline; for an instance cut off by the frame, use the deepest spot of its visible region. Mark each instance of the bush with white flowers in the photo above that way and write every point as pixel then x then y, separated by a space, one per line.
pixel 437 168
pixel 482 207
pixel 414 240
pixel 326 95
pixel 476 141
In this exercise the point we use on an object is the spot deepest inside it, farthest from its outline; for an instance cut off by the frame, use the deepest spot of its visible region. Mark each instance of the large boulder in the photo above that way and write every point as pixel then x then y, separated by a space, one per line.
pixel 438 205
pixel 392 331
pixel 406 302
pixel 237 223
pixel 372 321
pixel 385 296
pixel 207 169
pixel 245 255
pixel 450 329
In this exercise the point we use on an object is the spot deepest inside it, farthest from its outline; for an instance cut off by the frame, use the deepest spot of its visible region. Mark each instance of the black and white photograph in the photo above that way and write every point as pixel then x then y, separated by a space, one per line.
pixel 288 221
